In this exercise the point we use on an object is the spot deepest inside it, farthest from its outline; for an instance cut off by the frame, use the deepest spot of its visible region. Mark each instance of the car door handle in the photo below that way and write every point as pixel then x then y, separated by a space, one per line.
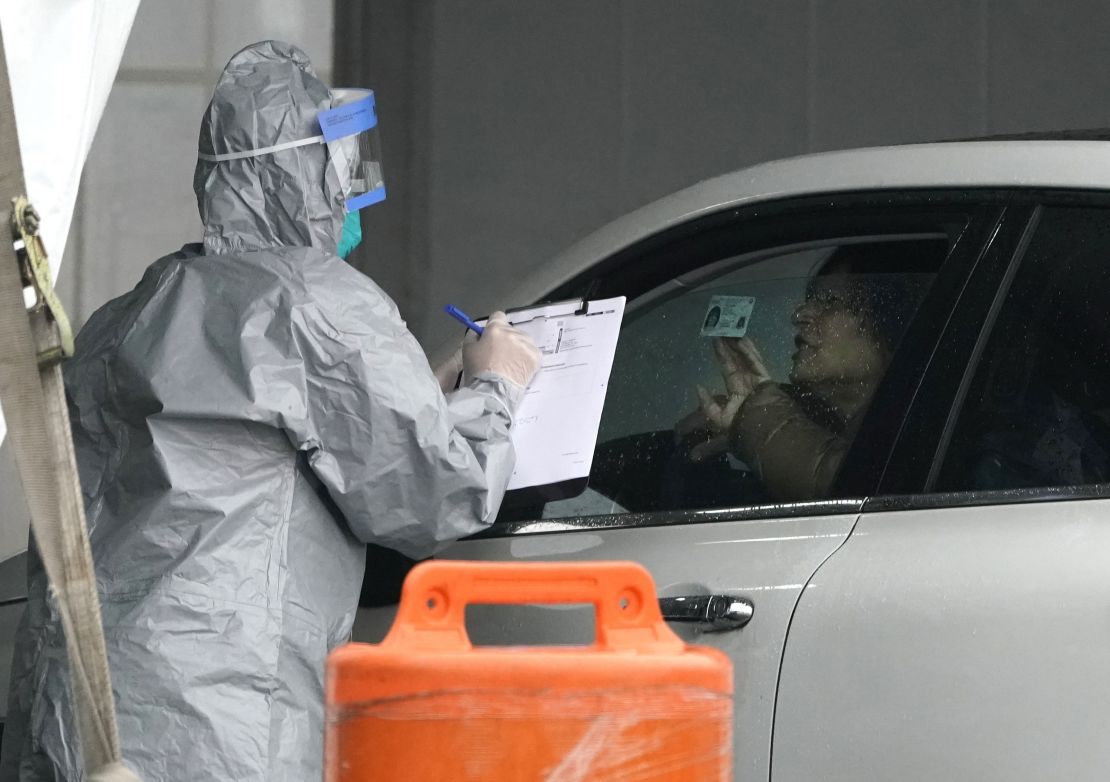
pixel 713 612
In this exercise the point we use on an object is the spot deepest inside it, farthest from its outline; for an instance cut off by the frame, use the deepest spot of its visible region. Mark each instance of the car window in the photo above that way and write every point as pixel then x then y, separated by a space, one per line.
pixel 786 346
pixel 1037 412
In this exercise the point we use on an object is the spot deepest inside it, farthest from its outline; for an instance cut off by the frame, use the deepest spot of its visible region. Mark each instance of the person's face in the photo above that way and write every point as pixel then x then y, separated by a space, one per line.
pixel 833 345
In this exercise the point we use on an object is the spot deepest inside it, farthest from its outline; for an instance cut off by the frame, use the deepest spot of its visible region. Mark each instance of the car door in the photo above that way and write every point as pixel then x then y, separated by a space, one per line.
pixel 962 630
pixel 714 537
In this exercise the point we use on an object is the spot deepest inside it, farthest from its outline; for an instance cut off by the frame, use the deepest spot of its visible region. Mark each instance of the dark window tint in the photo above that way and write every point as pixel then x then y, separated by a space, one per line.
pixel 1038 409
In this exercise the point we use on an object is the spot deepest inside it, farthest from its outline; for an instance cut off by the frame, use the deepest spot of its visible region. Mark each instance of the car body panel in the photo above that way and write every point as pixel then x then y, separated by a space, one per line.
pixel 768 562
pixel 959 643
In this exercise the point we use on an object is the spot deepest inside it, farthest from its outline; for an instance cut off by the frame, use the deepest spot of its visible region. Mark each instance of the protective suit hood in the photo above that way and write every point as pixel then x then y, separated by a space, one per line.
pixel 268 95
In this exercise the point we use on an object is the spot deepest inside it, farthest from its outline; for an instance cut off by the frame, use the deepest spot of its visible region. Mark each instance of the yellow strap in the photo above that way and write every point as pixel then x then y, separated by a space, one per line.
pixel 54 337
pixel 33 397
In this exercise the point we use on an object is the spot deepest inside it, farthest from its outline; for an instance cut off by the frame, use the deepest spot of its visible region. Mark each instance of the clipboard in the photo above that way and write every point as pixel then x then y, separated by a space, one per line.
pixel 556 425
pixel 572 306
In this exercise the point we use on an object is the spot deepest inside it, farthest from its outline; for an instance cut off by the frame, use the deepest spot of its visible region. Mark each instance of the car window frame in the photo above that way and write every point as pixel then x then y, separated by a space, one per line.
pixel 650 263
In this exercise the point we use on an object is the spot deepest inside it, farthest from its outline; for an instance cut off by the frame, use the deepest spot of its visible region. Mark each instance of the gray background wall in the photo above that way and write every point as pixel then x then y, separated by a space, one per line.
pixel 514 127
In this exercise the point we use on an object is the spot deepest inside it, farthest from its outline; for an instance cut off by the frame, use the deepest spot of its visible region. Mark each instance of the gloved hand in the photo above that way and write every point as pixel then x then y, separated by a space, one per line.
pixel 447 373
pixel 503 350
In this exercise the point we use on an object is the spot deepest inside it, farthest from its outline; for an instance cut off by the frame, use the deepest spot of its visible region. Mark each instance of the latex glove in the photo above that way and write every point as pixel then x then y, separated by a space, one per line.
pixel 743 370
pixel 447 373
pixel 503 350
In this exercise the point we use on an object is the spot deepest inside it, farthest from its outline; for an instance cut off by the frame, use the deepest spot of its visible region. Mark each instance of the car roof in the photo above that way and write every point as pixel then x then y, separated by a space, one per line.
pixel 1064 159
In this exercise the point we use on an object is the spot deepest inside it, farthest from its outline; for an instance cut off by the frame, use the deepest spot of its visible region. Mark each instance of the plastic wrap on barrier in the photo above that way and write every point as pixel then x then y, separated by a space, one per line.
pixel 638 705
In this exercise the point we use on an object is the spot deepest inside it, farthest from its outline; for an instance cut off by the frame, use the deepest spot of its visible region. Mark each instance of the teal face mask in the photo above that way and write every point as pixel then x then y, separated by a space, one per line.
pixel 351 236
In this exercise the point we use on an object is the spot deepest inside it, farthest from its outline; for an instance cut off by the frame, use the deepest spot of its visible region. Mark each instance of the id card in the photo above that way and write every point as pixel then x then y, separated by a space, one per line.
pixel 728 316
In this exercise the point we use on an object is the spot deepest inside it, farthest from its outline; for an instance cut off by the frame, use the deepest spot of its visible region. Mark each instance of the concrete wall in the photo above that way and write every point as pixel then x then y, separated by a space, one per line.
pixel 531 123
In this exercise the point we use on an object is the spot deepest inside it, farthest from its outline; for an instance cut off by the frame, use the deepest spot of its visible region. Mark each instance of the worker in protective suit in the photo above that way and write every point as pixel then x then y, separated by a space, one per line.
pixel 245 420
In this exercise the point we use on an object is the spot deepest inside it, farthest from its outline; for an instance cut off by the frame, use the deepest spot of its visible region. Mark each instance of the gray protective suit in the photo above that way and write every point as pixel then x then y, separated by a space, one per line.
pixel 246 418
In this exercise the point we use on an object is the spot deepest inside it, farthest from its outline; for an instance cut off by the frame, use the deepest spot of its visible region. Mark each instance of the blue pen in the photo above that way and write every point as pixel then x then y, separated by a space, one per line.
pixel 463 318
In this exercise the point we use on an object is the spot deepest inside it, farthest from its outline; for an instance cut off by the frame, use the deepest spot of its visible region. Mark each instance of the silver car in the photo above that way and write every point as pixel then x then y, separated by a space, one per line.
pixel 904 557
pixel 908 566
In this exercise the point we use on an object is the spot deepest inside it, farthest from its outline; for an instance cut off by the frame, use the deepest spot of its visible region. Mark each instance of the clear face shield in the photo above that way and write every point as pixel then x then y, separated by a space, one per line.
pixel 350 129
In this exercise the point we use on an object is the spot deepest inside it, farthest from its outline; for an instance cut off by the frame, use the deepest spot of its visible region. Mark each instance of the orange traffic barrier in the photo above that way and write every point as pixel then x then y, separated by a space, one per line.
pixel 638 704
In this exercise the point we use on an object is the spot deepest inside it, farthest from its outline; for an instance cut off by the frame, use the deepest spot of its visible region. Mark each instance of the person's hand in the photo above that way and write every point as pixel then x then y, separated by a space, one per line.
pixel 743 370
pixel 447 373
pixel 503 350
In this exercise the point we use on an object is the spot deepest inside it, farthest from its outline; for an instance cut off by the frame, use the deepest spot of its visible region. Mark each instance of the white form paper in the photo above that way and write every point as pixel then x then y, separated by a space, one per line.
pixel 556 424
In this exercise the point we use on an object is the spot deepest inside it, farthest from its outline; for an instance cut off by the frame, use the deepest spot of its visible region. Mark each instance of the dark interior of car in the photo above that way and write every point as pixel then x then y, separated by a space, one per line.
pixel 1039 412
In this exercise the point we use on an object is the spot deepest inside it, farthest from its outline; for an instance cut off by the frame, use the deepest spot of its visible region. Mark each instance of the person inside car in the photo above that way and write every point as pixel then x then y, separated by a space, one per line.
pixel 794 435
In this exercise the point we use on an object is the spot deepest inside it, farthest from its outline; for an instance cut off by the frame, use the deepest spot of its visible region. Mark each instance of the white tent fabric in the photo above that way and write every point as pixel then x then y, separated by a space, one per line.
pixel 63 56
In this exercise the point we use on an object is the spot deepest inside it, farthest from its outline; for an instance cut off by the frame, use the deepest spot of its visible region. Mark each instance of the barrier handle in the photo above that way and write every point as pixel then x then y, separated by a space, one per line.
pixel 432 611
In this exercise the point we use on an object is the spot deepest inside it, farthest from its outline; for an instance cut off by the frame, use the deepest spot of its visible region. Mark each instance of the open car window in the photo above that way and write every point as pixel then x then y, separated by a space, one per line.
pixel 821 320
